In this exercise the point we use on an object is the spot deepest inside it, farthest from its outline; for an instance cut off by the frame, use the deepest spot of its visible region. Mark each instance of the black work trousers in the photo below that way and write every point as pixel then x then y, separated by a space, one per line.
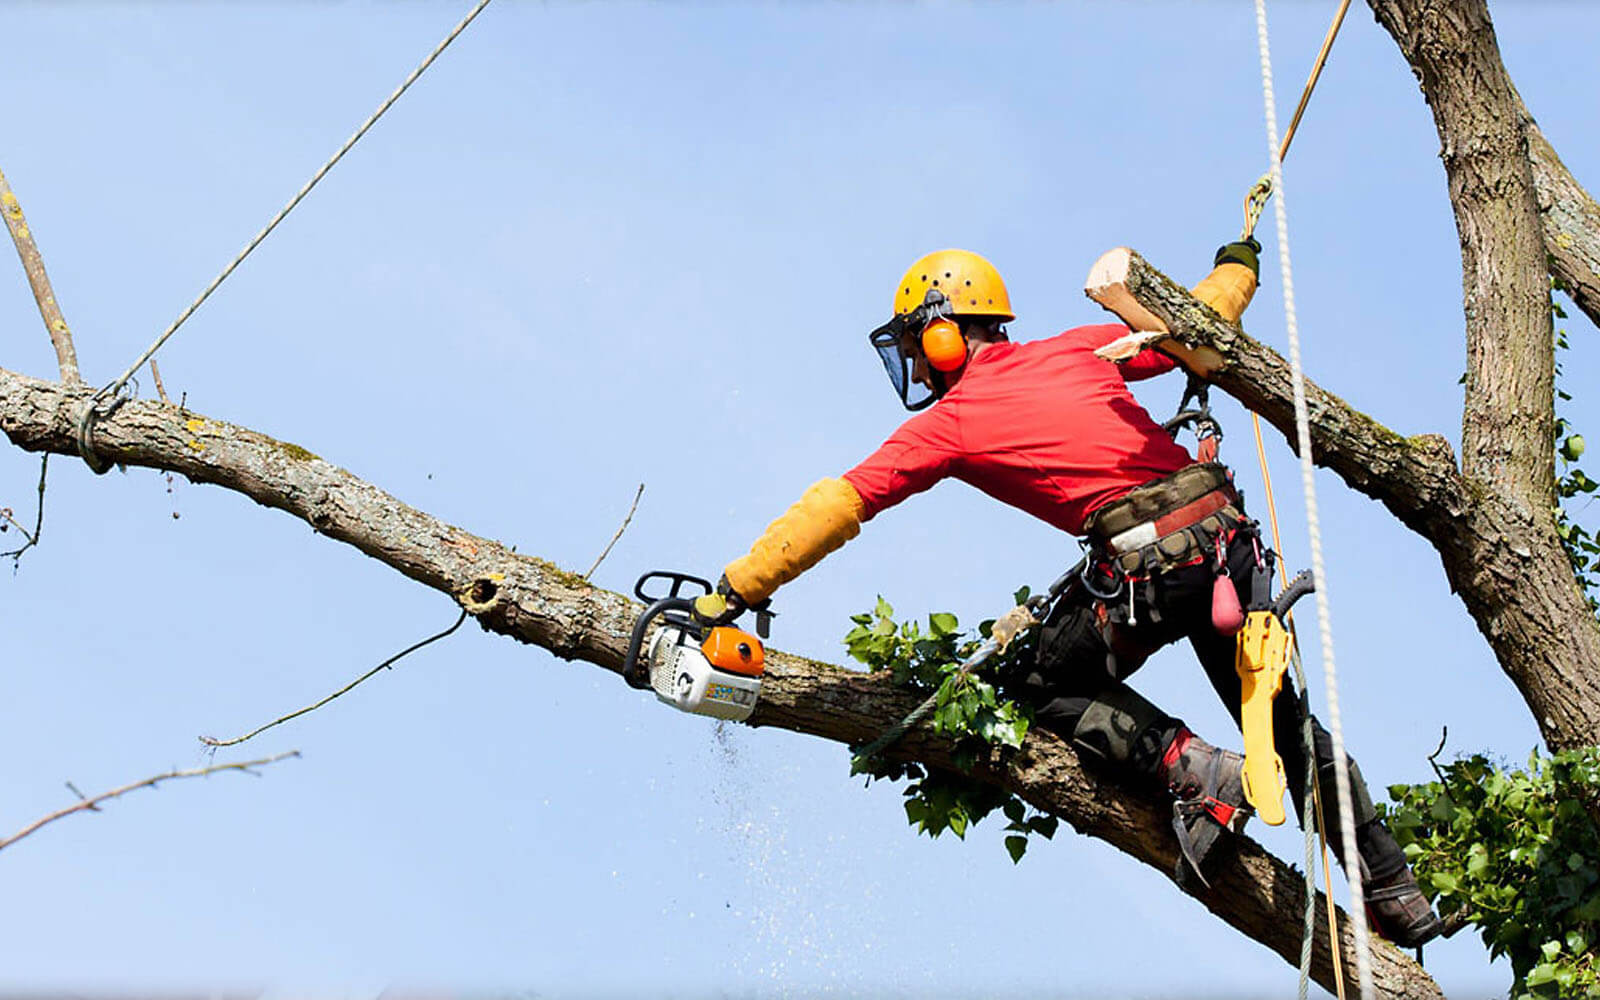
pixel 1078 689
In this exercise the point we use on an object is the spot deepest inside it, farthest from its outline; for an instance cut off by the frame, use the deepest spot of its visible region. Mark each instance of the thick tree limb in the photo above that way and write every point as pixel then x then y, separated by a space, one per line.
pixel 1571 220
pixel 535 602
pixel 43 294
pixel 1499 550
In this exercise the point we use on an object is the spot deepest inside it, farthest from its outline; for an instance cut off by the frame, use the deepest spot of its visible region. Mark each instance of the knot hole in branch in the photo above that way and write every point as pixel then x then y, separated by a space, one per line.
pixel 482 594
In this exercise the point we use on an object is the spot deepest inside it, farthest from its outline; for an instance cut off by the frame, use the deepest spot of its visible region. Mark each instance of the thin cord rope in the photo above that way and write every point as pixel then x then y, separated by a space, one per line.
pixel 1358 919
pixel 1312 821
pixel 114 387
pixel 1316 74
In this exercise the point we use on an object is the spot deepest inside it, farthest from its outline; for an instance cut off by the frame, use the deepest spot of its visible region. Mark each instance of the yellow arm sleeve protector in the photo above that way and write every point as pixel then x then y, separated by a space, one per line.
pixel 826 516
pixel 1227 289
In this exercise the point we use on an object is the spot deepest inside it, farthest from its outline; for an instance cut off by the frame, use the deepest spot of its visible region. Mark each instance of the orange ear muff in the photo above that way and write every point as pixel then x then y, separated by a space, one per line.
pixel 944 346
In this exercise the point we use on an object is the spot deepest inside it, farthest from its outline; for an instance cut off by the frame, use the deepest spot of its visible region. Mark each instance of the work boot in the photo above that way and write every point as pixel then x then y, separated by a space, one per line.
pixel 1207 784
pixel 1399 911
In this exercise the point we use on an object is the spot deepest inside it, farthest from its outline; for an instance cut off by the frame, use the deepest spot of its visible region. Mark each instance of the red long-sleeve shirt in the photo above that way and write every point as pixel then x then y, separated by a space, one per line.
pixel 1044 426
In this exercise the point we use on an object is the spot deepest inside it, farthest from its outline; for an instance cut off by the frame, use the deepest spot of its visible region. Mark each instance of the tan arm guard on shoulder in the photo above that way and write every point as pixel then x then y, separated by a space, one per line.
pixel 1228 289
pixel 826 516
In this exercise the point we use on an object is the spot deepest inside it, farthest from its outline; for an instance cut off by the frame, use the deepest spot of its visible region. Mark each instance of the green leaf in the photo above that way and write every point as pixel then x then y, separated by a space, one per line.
pixel 1044 826
pixel 943 623
pixel 1446 882
pixel 1015 846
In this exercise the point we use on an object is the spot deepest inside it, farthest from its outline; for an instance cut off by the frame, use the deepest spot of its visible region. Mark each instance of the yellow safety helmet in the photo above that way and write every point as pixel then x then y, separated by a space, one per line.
pixel 940 285
pixel 970 283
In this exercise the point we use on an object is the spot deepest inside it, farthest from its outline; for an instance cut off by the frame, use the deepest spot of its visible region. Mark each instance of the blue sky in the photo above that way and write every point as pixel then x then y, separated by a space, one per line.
pixel 605 244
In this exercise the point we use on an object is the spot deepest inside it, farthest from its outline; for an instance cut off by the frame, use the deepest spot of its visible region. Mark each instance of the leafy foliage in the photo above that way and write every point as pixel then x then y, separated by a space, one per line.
pixel 1516 853
pixel 1582 544
pixel 967 708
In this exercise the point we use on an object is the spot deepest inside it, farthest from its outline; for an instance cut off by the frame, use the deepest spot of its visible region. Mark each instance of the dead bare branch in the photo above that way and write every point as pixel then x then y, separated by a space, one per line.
pixel 625 522
pixel 93 804
pixel 216 743
pixel 38 523
pixel 43 294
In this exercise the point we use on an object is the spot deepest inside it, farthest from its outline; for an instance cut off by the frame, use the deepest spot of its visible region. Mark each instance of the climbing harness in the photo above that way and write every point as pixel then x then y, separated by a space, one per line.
pixel 113 389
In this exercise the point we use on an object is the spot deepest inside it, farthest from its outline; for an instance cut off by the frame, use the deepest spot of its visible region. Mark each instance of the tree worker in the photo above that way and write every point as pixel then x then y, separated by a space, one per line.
pixel 1049 427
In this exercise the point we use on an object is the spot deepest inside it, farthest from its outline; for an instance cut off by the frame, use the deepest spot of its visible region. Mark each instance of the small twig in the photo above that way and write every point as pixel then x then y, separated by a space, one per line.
pixel 38 525
pixel 161 390
pixel 214 743
pixel 1434 757
pixel 618 535
pixel 43 294
pixel 93 805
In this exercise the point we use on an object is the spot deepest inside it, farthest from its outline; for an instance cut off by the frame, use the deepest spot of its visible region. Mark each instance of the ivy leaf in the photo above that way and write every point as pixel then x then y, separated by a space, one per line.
pixel 1016 846
pixel 943 623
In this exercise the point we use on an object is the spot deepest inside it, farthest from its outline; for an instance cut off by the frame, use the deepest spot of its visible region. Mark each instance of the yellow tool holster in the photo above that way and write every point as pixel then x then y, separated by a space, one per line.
pixel 1260 659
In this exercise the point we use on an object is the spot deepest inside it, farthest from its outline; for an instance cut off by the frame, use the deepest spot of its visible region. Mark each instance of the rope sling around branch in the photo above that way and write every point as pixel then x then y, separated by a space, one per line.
pixel 1303 439
pixel 113 389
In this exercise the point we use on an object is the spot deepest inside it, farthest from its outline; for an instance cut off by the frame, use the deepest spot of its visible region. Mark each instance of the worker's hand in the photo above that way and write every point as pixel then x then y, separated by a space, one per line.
pixel 1246 252
pixel 719 607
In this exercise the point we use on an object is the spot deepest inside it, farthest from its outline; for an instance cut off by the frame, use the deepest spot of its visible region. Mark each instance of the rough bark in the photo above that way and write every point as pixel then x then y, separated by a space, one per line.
pixel 1571 221
pixel 535 602
pixel 1500 550
pixel 1508 419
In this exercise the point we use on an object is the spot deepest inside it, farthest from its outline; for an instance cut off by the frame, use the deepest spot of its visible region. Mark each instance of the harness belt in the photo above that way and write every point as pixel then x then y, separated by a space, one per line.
pixel 1166 523
pixel 1151 532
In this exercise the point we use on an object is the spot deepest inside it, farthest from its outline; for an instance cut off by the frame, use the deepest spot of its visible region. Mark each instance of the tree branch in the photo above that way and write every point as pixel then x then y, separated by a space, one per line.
pixel 1570 217
pixel 1499 550
pixel 535 602
pixel 93 804
pixel 215 743
pixel 43 294
pixel 28 540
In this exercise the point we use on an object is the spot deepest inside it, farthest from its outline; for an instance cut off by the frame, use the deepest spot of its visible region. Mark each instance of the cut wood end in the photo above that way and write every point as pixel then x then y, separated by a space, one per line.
pixel 1107 284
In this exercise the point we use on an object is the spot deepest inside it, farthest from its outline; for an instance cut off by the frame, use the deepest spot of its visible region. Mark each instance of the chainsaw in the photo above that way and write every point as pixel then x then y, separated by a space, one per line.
pixel 712 670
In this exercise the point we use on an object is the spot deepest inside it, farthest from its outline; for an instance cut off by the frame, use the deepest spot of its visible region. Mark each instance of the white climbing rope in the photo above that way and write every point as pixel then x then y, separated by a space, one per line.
pixel 1358 917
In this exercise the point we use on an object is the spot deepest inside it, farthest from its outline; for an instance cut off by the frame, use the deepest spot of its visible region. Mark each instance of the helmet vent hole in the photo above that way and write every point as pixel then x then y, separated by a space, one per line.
pixel 936 282
pixel 969 282
pixel 947 274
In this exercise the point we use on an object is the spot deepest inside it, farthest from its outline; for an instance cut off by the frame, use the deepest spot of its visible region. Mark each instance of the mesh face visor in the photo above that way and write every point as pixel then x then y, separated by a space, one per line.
pixel 887 340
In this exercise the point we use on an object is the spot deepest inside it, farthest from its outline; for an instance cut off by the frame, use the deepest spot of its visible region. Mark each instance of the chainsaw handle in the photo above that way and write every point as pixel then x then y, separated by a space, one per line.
pixel 679 580
pixel 631 671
